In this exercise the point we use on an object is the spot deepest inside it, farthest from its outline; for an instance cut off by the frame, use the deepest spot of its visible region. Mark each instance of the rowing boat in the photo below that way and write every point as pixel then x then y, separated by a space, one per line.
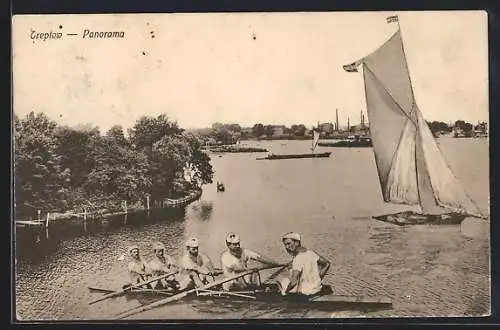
pixel 325 299
pixel 265 293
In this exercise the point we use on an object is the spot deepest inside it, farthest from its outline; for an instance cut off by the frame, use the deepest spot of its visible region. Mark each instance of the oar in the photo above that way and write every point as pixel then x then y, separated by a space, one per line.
pixel 276 273
pixel 117 293
pixel 101 290
pixel 187 292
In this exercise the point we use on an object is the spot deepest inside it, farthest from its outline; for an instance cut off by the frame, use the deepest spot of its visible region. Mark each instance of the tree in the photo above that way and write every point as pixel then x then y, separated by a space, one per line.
pixel 62 168
pixel 116 134
pixel 39 177
pixel 460 124
pixel 73 146
pixel 171 155
pixel 224 135
pixel 118 171
pixel 258 130
pixel 299 130
pixel 269 130
pixel 234 128
pixel 199 168
pixel 149 130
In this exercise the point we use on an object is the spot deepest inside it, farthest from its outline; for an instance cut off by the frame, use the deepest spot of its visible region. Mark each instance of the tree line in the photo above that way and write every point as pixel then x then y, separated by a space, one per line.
pixel 230 133
pixel 466 128
pixel 62 168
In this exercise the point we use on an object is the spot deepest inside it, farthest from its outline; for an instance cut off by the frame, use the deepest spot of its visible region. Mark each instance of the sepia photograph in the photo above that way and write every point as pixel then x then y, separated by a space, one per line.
pixel 229 166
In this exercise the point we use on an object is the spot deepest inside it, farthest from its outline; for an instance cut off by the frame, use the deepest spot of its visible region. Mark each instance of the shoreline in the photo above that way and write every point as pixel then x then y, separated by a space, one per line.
pixel 103 213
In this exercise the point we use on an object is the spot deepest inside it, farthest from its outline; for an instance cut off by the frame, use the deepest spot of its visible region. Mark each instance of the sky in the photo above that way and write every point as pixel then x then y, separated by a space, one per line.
pixel 246 68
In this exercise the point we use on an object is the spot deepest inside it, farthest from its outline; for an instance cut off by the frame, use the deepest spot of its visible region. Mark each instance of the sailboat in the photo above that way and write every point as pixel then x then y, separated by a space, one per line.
pixel 315 141
pixel 410 165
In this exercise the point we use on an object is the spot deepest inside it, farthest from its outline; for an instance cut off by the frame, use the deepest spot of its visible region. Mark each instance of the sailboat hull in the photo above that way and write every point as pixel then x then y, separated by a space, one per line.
pixel 412 218
pixel 296 156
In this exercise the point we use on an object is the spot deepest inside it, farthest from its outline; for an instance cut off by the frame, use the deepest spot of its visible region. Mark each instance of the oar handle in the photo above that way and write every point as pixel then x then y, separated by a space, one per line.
pixel 276 273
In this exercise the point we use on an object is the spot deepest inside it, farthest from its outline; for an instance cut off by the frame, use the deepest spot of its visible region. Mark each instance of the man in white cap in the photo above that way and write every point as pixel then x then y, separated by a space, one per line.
pixel 235 260
pixel 136 266
pixel 196 269
pixel 161 264
pixel 307 268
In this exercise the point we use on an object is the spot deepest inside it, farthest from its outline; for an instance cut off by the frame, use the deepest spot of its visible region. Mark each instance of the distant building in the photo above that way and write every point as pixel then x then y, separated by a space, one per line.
pixel 279 129
pixel 246 131
pixel 326 128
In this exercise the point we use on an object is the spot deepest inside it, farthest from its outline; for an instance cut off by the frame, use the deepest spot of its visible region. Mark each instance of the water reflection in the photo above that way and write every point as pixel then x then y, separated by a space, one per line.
pixel 203 210
pixel 32 244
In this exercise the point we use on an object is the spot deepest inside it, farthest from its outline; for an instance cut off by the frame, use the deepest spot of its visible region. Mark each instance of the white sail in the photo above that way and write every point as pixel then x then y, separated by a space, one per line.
pixel 410 165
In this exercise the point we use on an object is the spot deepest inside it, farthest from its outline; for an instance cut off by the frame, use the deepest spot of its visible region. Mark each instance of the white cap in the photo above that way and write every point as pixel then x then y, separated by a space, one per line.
pixel 232 238
pixel 192 242
pixel 132 247
pixel 158 246
pixel 294 236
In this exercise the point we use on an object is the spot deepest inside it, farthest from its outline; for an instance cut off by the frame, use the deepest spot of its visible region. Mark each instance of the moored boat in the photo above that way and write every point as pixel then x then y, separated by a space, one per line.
pixel 349 142
pixel 297 156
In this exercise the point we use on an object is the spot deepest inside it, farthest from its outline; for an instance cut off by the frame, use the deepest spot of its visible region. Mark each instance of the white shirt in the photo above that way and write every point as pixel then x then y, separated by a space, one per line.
pixel 157 266
pixel 202 261
pixel 230 263
pixel 307 264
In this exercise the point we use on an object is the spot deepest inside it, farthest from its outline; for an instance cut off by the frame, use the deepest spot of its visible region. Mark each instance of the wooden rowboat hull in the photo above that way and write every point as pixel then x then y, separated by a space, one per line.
pixel 296 156
pixel 323 300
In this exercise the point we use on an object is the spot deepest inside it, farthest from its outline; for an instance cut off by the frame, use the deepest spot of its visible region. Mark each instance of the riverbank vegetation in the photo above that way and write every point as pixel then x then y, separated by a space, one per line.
pixel 60 168
pixel 227 134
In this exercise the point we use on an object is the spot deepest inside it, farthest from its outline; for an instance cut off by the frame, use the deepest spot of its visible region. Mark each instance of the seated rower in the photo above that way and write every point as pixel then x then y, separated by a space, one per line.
pixel 196 269
pixel 235 260
pixel 307 268
pixel 136 266
pixel 162 264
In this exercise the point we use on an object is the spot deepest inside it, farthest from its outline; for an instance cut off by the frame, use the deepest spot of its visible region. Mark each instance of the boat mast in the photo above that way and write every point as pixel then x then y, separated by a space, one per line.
pixel 406 64
pixel 411 110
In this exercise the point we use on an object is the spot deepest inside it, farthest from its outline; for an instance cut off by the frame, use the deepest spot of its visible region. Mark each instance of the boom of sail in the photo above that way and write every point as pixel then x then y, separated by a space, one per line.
pixel 410 166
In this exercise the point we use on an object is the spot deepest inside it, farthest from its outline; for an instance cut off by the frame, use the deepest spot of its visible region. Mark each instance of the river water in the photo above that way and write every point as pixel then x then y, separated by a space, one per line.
pixel 426 270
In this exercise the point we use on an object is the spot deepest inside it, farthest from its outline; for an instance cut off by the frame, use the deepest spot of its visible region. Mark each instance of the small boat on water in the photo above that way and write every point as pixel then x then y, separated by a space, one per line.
pixel 294 156
pixel 297 156
pixel 352 141
pixel 266 293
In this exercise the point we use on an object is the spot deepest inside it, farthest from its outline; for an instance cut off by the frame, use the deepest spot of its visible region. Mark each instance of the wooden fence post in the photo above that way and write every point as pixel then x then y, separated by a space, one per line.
pixel 47 221
pixel 147 202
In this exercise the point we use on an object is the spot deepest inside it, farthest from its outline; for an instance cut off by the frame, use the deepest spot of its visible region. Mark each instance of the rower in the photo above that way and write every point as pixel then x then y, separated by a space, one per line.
pixel 307 268
pixel 160 264
pixel 136 266
pixel 196 269
pixel 235 260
